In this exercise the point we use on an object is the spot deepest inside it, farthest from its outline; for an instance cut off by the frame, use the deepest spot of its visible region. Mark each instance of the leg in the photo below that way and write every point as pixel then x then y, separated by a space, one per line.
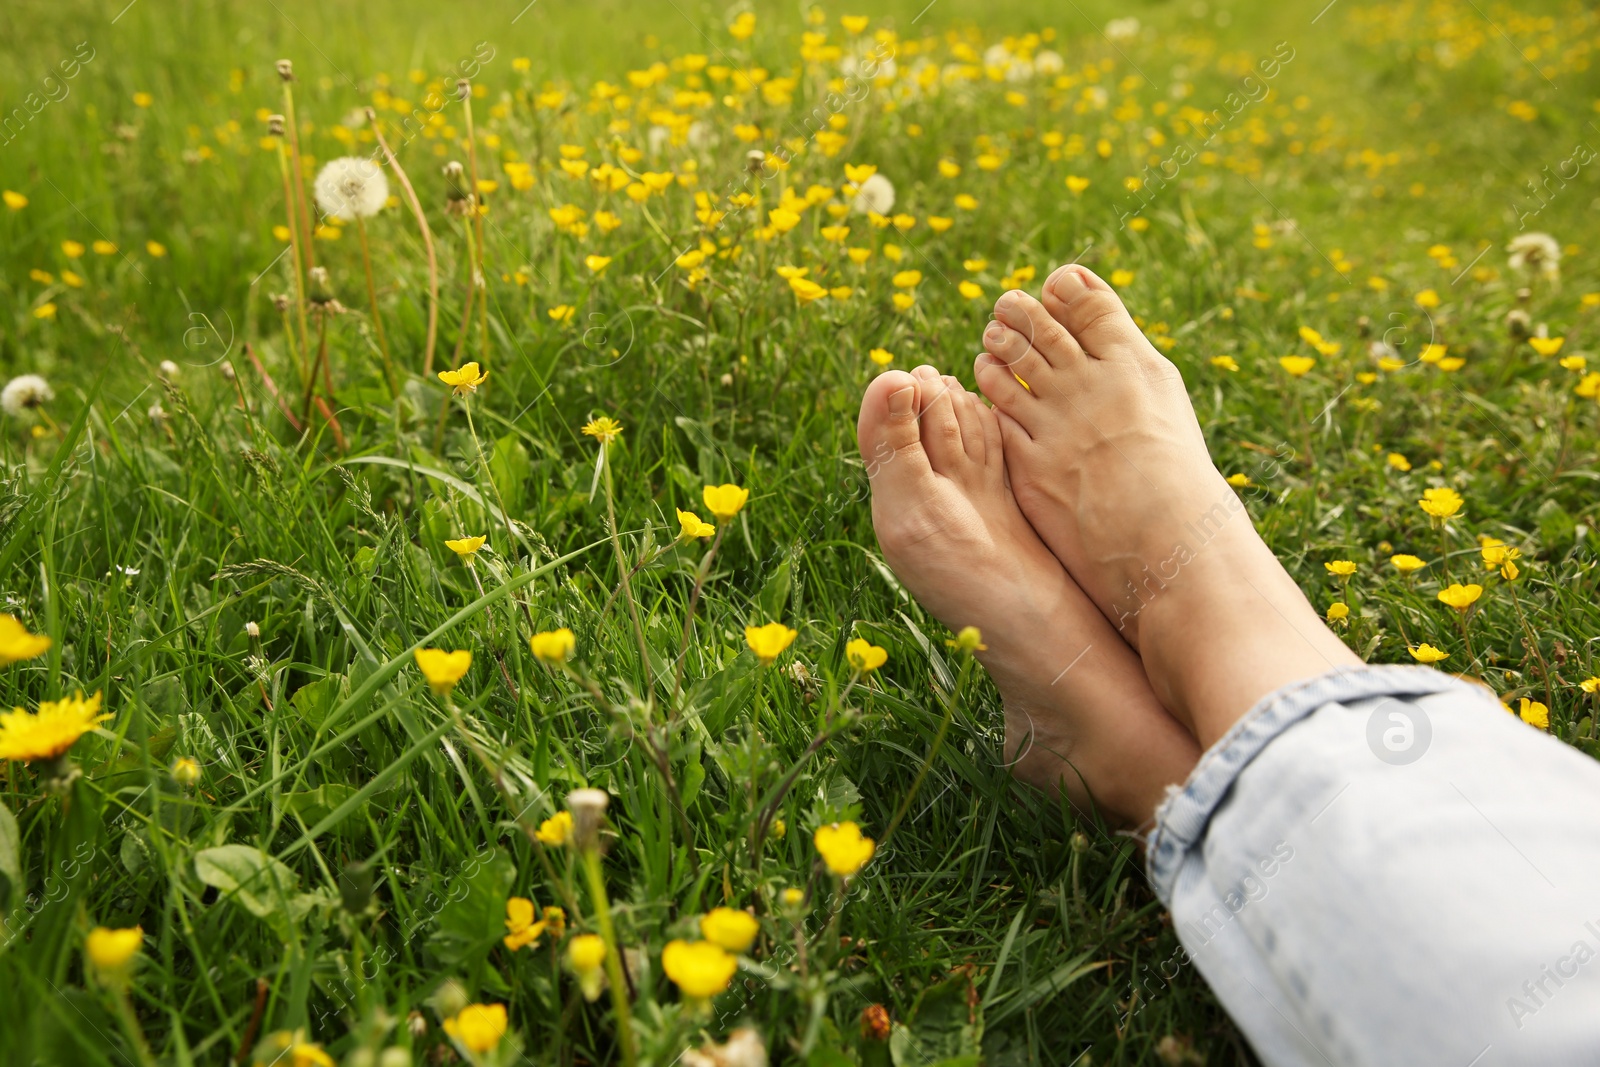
pixel 1080 714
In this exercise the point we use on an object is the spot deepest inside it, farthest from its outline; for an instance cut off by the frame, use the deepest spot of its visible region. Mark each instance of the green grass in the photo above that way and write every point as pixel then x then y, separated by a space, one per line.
pixel 994 922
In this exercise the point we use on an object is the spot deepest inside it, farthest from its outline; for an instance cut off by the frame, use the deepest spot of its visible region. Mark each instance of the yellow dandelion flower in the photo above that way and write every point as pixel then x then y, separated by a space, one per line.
pixel 605 429
pixel 48 733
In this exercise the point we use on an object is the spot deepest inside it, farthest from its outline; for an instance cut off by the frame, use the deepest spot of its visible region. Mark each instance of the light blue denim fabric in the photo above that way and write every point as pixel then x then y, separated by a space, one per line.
pixel 1380 866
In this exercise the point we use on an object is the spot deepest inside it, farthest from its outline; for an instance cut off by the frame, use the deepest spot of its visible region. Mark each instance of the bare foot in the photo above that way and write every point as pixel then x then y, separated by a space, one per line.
pixel 1108 463
pixel 1079 713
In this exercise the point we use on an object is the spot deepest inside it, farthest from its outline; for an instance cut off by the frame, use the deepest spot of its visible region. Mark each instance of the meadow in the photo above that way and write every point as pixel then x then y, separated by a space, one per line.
pixel 445 621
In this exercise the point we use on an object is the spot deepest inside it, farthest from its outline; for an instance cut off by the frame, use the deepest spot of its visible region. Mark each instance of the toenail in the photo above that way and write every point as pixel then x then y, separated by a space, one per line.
pixel 900 401
pixel 995 333
pixel 1006 301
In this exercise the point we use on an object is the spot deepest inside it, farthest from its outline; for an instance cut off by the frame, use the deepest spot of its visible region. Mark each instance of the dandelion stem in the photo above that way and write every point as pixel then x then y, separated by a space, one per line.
pixel 377 316
pixel 291 129
pixel 299 269
pixel 427 243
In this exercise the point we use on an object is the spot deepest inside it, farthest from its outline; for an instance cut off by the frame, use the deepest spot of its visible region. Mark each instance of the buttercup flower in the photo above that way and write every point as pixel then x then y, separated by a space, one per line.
pixel 553 646
pixel 1227 363
pixel 586 954
pixel 523 930
pixel 769 641
pixel 466 547
pixel 48 733
pixel 1340 568
pixel 1427 654
pixel 729 928
pixel 350 188
pixel 1440 503
pixel 466 380
pixel 699 969
pixel 1338 611
pixel 865 656
pixel 724 501
pixel 1534 713
pixel 17 644
pixel 1297 366
pixel 843 848
pixel 1590 685
pixel 556 830
pixel 970 639
pixel 443 669
pixel 691 526
pixel 604 429
pixel 1461 597
pixel 185 771
pixel 479 1027
pixel 1406 564
pixel 112 951
pixel 1546 346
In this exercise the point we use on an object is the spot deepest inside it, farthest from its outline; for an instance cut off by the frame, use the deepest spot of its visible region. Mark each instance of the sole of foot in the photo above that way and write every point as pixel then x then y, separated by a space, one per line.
pixel 1080 715
pixel 1109 464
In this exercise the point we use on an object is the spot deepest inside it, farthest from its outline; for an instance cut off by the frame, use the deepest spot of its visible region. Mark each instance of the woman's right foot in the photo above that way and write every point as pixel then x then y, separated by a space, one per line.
pixel 1108 463
pixel 1080 714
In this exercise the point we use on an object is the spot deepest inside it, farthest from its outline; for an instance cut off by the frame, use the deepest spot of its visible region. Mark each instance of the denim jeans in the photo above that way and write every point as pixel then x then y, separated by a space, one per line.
pixel 1381 866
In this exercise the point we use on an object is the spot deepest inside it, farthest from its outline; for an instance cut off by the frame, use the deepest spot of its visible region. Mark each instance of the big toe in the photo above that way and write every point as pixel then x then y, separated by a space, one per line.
pixel 1092 312
pixel 887 430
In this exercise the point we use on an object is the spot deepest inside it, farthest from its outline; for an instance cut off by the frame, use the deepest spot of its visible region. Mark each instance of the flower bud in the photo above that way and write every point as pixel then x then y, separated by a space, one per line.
pixel 285 69
pixel 588 807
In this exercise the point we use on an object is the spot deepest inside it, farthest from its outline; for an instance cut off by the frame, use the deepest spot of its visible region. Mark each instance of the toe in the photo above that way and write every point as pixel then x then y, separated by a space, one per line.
pixel 1048 337
pixel 941 429
pixel 1000 385
pixel 1012 348
pixel 967 415
pixel 994 459
pixel 888 432
pixel 1092 313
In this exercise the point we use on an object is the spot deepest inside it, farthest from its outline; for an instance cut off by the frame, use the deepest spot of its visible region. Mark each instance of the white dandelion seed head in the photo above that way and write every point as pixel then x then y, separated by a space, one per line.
pixel 168 369
pixel 875 194
pixel 658 137
pixel 997 55
pixel 700 135
pixel 1535 252
pixel 1123 29
pixel 1048 63
pixel 351 188
pixel 25 392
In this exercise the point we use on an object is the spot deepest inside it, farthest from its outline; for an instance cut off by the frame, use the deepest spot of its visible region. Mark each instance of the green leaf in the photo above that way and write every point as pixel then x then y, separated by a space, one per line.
pixel 510 468
pixel 248 875
pixel 474 918
pixel 313 805
pixel 11 858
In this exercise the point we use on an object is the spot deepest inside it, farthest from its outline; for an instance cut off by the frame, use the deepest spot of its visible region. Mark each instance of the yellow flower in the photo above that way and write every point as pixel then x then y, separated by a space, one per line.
pixel 1590 685
pixel 112 951
pixel 903 301
pixel 743 27
pixel 17 644
pixel 969 289
pixel 1428 654
pixel 1499 555
pixel 585 955
pixel 853 23
pixel 806 290
pixel 769 641
pixel 309 1054
pixel 605 429
pixel 906 279
pixel 856 173
pixel 881 356
pixel 49 732
pixel 843 848
pixel 1451 364
pixel 1240 480
pixel 1398 462
pixel 940 223
pixel 14 200
pixel 692 526
pixel 103 247
pixel 185 771
pixel 1338 611
pixel 1440 503
pixel 974 265
pixel 556 830
pixel 479 1027
pixel 1546 346
pixel 280 233
pixel 1432 353
pixel 966 202
pixel 724 501
pixel 836 234
pixel 1120 277
pixel 1297 365
pixel 1227 363
pixel 466 547
pixel 792 897
pixel 1077 184
pixel 969 639
pixel 730 929
pixel 155 248
pixel 1341 568
pixel 1406 564
pixel 1534 713
pixel 562 313
pixel 1589 386
pixel 72 249
pixel 142 99
pixel 443 669
pixel 46 310
pixel 553 646
pixel 858 256
pixel 1461 597
pixel 596 263
pixel 1428 298
pixel 700 969
pixel 466 380
pixel 1575 364
pixel 865 656
pixel 523 931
